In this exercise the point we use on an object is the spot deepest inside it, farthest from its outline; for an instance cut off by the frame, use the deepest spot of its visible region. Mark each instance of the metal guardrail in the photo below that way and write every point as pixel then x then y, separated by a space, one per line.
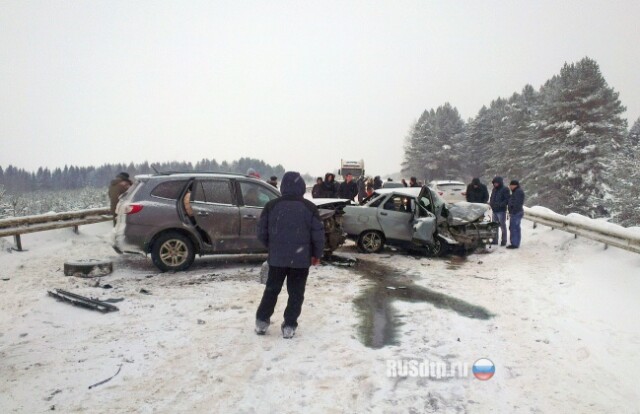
pixel 611 236
pixel 17 226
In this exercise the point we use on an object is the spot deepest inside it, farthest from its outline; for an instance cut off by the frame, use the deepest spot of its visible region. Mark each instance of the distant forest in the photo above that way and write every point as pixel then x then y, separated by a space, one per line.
pixel 566 143
pixel 18 181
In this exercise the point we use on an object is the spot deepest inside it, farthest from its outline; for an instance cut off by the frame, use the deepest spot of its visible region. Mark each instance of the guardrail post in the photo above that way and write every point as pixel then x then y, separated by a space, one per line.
pixel 16 238
pixel 76 230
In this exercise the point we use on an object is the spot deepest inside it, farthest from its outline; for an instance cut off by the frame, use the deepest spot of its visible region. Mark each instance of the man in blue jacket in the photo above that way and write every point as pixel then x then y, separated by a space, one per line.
pixel 516 212
pixel 498 202
pixel 291 229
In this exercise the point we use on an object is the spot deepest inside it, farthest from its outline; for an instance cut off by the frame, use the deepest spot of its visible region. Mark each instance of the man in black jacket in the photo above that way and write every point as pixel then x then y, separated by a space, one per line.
pixel 477 192
pixel 377 182
pixel 498 202
pixel 291 229
pixel 348 188
pixel 516 212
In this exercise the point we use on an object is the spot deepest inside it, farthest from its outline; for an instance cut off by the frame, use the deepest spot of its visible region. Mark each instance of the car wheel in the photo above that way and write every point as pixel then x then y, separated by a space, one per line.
pixel 440 247
pixel 172 252
pixel 371 241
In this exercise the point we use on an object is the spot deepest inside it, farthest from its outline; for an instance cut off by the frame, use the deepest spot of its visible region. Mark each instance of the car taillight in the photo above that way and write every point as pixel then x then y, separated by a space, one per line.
pixel 440 192
pixel 133 209
pixel 464 193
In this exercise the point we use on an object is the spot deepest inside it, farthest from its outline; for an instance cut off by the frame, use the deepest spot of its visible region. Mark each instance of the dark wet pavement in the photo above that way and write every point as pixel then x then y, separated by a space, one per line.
pixel 379 322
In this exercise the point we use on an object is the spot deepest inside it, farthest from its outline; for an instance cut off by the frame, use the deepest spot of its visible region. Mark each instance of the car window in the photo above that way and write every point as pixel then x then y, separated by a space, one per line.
pixel 437 200
pixel 169 189
pixel 425 203
pixel 255 195
pixel 398 203
pixel 213 191
pixel 376 201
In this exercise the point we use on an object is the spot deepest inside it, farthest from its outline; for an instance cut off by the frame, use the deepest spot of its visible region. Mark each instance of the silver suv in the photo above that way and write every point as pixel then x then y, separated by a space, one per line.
pixel 174 216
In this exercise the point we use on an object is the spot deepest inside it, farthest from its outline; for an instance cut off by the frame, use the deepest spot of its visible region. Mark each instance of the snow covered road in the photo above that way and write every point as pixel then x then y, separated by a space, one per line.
pixel 558 318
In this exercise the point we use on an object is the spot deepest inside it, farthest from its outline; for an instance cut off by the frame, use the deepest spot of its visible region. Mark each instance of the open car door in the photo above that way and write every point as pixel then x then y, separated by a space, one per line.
pixel 425 223
pixel 424 229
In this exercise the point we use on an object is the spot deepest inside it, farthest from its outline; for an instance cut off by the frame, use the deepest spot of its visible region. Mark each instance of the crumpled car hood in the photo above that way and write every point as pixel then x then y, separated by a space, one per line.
pixel 464 213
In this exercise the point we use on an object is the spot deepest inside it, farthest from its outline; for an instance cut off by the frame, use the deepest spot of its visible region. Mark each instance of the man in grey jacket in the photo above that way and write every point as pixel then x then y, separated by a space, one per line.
pixel 291 229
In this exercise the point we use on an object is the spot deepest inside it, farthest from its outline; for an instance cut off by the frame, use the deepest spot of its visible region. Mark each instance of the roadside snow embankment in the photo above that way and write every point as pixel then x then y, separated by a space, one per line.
pixel 556 317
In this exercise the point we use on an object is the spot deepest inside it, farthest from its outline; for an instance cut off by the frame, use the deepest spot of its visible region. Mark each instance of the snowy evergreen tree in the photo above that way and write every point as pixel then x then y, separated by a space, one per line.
pixel 520 132
pixel 414 160
pixel 433 147
pixel 626 209
pixel 478 135
pixel 580 132
pixel 485 142
pixel 633 139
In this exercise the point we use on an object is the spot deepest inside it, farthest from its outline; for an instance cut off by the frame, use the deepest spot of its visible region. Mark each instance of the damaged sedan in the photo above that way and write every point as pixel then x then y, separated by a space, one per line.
pixel 417 219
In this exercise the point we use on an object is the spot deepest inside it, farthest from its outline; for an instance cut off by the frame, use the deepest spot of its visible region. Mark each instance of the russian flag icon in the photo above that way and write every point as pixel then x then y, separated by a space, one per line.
pixel 483 369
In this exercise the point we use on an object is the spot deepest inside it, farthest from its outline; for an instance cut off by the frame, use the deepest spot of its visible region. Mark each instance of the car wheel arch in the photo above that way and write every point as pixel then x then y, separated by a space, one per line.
pixel 192 238
pixel 361 237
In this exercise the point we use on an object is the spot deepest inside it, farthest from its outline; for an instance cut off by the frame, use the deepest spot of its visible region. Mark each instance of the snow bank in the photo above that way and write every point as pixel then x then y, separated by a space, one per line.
pixel 562 333
pixel 596 225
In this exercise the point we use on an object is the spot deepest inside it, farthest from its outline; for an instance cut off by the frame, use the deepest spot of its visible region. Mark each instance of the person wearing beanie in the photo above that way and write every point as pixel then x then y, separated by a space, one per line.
pixel 477 192
pixel 498 202
pixel 273 181
pixel 516 212
pixel 291 229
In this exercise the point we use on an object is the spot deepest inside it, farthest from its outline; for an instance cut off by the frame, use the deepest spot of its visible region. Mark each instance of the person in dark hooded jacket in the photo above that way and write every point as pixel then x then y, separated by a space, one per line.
pixel 316 192
pixel 498 202
pixel 516 212
pixel 477 192
pixel 377 182
pixel 329 186
pixel 291 229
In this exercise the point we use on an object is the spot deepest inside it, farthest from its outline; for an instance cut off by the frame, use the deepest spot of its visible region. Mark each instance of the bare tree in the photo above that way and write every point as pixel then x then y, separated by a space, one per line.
pixel 18 204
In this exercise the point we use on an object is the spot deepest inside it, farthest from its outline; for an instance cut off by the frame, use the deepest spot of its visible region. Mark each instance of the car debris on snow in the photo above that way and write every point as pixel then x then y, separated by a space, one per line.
pixel 107 380
pixel 82 301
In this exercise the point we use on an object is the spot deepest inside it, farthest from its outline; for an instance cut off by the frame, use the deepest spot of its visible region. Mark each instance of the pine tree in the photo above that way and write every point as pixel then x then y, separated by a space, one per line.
pixel 433 147
pixel 414 160
pixel 520 134
pixel 485 141
pixel 580 130
pixel 633 139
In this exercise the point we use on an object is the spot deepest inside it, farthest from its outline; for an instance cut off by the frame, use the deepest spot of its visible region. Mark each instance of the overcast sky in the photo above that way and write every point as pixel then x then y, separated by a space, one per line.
pixel 297 83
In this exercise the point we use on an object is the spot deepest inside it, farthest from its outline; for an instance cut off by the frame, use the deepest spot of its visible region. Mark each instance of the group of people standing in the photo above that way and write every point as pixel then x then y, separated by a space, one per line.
pixel 505 202
pixel 348 189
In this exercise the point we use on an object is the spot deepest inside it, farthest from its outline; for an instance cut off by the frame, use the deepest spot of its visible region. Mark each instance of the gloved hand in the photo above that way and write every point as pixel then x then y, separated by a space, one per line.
pixel 315 261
